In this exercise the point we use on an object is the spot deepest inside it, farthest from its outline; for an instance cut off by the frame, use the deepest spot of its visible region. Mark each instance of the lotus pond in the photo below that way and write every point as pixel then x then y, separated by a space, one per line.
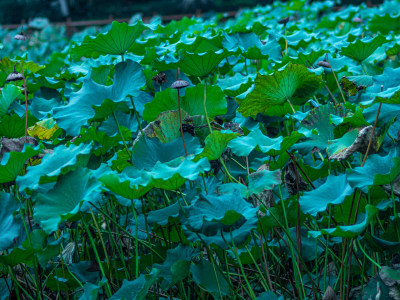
pixel 254 157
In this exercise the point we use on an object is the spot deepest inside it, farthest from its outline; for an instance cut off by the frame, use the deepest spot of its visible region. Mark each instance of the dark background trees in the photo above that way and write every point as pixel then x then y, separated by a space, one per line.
pixel 13 11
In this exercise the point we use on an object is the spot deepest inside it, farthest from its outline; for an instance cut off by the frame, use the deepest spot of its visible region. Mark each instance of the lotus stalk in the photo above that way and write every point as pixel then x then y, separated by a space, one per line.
pixel 180 84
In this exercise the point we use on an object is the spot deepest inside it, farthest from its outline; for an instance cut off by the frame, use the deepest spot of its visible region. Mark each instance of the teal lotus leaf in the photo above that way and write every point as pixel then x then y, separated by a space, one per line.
pixel 192 102
pixel 350 231
pixel 8 95
pixel 212 281
pixel 263 180
pixel 250 46
pixel 219 220
pixel 215 144
pixel 162 216
pixel 176 266
pixel 237 84
pixel 362 49
pixel 333 191
pixel 146 152
pixel 138 288
pixel 12 163
pixel 116 41
pixel 70 195
pixel 242 146
pixel 294 83
pixel 128 79
pixel 378 170
pixel 61 161
pixel 11 226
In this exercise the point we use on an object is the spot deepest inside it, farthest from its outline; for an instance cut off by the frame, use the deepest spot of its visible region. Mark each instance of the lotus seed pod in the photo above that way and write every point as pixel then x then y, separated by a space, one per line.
pixel 179 84
pixel 329 294
pixel 324 64
pixel 21 37
pixel 160 78
pixel 284 21
pixel 14 76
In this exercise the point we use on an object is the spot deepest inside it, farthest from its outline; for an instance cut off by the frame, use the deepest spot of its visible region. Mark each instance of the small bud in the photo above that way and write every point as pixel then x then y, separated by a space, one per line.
pixel 179 84
pixel 357 20
pixel 284 21
pixel 324 64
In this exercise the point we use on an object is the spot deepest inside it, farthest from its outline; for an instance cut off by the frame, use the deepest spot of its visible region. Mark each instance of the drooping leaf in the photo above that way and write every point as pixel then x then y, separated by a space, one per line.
pixel 10 225
pixel 128 79
pixel 294 83
pixel 69 196
pixel 8 95
pixel 333 191
pixel 61 161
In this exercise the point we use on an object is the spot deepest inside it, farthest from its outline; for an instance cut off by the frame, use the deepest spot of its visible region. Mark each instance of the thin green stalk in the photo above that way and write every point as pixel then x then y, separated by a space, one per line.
pixel 367 256
pixel 263 280
pixel 108 289
pixel 120 132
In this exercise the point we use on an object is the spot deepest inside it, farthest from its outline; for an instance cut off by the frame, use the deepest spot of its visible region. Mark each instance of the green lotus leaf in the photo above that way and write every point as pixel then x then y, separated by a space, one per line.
pixel 349 231
pixel 12 163
pixel 384 23
pixel 176 266
pixel 127 184
pixel 191 103
pixel 378 170
pixel 213 217
pixel 166 127
pixel 8 95
pixel 362 49
pixel 138 288
pixel 213 282
pixel 353 84
pixel 61 161
pixel 209 40
pixel 200 64
pixel 69 196
pixel 13 125
pixel 215 144
pixel 333 191
pixel 10 226
pixel 269 296
pixel 176 27
pixel 294 83
pixel 102 142
pixel 236 85
pixel 91 291
pixel 128 79
pixel 243 145
pixel 389 96
pixel 116 41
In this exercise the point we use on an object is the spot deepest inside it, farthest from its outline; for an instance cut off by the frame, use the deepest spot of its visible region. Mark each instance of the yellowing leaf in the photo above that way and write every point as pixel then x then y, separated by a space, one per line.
pixel 44 129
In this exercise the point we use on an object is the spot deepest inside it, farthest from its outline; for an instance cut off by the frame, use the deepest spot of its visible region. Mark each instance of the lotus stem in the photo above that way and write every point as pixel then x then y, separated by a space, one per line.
pixel 180 123
pixel 286 45
pixel 334 75
pixel 120 132
pixel 26 103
